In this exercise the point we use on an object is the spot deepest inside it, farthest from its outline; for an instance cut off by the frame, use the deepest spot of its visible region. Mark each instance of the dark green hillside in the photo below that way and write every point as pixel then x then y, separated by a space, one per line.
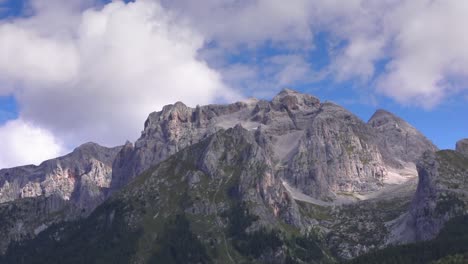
pixel 450 246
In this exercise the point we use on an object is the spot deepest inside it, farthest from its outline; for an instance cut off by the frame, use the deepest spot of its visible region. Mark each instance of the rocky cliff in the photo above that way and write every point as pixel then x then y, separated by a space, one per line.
pixel 442 194
pixel 219 196
pixel 33 198
pixel 319 148
pixel 462 146
pixel 293 171
pixel 80 177
pixel 399 141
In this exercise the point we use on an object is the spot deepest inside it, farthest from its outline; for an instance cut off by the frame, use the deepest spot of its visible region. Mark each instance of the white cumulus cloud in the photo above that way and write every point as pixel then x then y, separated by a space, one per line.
pixel 423 42
pixel 93 73
pixel 24 143
pixel 97 75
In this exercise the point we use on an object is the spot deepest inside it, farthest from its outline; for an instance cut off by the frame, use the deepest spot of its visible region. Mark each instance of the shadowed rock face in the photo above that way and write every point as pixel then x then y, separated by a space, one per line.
pixel 441 194
pixel 399 141
pixel 462 146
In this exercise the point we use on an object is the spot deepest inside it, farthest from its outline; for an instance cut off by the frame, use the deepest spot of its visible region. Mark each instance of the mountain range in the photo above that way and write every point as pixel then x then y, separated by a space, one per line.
pixel 291 180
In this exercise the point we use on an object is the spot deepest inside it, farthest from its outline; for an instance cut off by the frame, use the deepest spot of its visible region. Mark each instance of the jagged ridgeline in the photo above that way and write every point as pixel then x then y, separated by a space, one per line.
pixel 291 180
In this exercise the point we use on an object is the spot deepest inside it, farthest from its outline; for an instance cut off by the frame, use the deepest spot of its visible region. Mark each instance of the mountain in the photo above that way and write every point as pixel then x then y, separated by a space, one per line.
pixel 462 146
pixel 80 177
pixel 34 197
pixel 291 180
pixel 327 149
pixel 194 207
pixel 437 215
pixel 400 141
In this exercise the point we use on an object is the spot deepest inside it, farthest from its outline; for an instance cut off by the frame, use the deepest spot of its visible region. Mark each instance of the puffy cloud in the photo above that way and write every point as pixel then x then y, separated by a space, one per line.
pixel 24 143
pixel 422 43
pixel 236 22
pixel 430 52
pixel 94 74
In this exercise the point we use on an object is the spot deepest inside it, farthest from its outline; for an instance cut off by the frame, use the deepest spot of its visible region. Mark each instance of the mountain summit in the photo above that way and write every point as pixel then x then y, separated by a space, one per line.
pixel 401 140
pixel 266 181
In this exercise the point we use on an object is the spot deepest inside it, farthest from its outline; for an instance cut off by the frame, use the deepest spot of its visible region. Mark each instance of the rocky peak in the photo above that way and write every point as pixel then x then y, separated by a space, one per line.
pixel 79 177
pixel 293 100
pixel 92 149
pixel 321 148
pixel 400 142
pixel 462 146
pixel 440 195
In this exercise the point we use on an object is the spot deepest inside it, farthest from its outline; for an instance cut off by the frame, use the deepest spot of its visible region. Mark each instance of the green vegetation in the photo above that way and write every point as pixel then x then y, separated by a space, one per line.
pixel 305 249
pixel 447 203
pixel 454 158
pixel 178 245
pixel 452 241
pixel 102 238
pixel 262 243
pixel 252 244
pixel 314 211
pixel 453 259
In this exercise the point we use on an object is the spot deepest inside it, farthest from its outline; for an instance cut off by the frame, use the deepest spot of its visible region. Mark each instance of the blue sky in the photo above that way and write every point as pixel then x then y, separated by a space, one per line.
pixel 444 124
pixel 89 70
pixel 8 109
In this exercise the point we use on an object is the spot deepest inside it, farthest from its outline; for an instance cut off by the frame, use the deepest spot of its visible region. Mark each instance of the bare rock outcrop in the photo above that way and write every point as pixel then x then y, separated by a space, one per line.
pixel 81 177
pixel 317 147
pixel 399 141
pixel 442 194
pixel 462 146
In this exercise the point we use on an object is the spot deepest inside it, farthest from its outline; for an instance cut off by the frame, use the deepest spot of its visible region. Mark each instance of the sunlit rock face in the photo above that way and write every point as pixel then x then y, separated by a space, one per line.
pixel 283 158
pixel 399 141
pixel 81 177
pixel 320 148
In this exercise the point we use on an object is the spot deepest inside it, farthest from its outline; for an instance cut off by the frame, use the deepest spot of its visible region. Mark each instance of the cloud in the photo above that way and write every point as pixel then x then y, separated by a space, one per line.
pixel 24 143
pixel 88 72
pixel 421 43
pixel 95 73
pixel 430 53
pixel 248 22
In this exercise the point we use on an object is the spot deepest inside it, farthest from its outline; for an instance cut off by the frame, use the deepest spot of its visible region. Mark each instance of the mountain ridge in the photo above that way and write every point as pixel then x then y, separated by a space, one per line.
pixel 303 167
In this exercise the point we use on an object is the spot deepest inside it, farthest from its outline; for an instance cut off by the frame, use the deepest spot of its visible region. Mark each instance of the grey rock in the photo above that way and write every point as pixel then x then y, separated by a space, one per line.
pixel 269 154
pixel 462 146
pixel 24 219
pixel 81 177
pixel 441 193
pixel 399 141
pixel 318 147
pixel 66 188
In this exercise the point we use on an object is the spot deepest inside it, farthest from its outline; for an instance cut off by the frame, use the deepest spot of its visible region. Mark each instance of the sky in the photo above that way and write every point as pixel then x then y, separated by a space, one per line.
pixel 91 70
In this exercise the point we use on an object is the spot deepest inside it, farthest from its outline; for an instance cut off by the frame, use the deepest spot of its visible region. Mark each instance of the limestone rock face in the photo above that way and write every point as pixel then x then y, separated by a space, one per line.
pixel 335 153
pixel 320 148
pixel 399 141
pixel 210 181
pixel 441 194
pixel 24 219
pixel 33 198
pixel 462 146
pixel 292 162
pixel 81 177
